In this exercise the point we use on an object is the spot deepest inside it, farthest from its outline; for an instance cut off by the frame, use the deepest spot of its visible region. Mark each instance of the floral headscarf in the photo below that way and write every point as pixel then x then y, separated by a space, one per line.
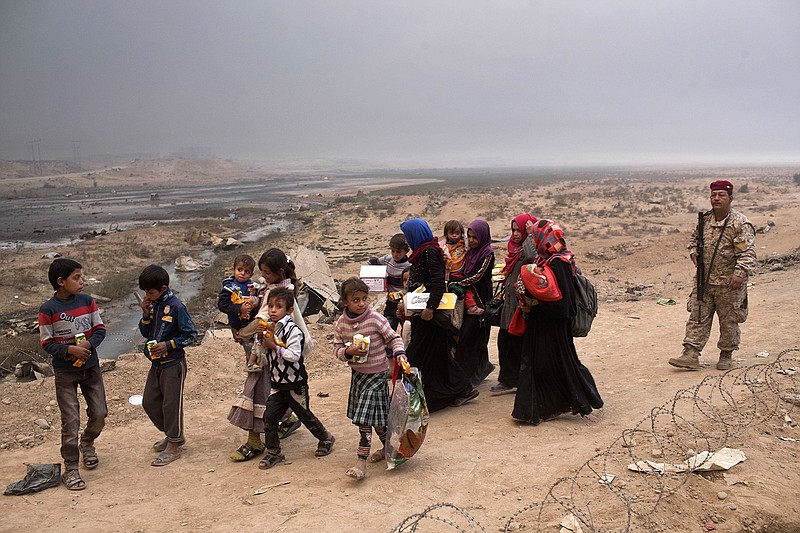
pixel 548 237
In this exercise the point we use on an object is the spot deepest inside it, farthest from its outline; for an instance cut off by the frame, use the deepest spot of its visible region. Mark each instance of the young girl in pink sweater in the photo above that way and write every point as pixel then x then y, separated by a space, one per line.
pixel 368 403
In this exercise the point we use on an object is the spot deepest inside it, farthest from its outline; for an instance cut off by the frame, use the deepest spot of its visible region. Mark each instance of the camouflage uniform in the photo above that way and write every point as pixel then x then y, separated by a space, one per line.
pixel 736 255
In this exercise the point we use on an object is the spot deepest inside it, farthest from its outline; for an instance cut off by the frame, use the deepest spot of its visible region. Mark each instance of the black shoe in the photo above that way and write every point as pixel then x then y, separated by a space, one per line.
pixel 461 400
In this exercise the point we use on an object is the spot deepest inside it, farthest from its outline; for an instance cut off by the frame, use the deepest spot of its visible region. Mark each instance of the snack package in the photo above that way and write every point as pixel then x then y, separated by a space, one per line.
pixel 361 341
pixel 408 417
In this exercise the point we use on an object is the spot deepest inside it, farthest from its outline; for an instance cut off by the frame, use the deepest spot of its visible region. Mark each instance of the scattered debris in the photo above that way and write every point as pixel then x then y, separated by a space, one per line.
pixel 762 354
pixel 606 479
pixel 666 301
pixel 225 243
pixel 185 263
pixel 705 461
pixel 264 489
pixel 51 255
pixel 570 523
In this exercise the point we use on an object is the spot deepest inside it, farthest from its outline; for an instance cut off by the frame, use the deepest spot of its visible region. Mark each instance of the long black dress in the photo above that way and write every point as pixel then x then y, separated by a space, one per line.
pixel 442 379
pixel 552 379
pixel 472 352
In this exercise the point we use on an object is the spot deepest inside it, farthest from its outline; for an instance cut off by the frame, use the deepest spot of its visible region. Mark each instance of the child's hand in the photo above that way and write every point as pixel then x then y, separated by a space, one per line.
pixel 78 351
pixel 354 351
pixel 529 227
pixel 159 349
pixel 247 306
pixel 146 306
pixel 269 342
pixel 426 314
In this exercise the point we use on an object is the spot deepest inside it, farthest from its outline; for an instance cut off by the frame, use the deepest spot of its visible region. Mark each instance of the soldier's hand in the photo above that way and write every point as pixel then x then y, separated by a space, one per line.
pixel 694 259
pixel 735 283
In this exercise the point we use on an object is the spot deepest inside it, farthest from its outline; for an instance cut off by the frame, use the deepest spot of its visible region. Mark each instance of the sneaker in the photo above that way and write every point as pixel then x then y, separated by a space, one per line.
pixel 253 367
pixel 687 361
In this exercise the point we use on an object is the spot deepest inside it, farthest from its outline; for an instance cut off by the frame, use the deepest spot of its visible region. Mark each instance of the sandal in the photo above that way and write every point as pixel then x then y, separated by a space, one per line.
pixel 461 400
pixel 377 456
pixel 287 428
pixel 161 445
pixel 500 388
pixel 245 452
pixel 72 479
pixel 356 473
pixel 325 447
pixel 90 459
pixel 270 460
pixel 165 458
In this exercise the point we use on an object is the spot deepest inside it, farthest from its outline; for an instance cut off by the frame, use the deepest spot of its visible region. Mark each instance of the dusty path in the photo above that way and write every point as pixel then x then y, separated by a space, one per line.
pixel 475 456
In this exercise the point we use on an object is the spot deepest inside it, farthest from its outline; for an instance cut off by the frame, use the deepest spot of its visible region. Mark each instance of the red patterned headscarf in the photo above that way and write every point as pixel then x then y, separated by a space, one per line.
pixel 514 249
pixel 548 237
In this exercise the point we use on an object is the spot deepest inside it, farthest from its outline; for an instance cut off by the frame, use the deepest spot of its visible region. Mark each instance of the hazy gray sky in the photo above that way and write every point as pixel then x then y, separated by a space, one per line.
pixel 434 82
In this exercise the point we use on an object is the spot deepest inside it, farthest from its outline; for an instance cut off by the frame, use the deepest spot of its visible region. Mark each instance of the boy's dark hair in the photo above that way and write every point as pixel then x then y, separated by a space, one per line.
pixel 245 260
pixel 351 285
pixel 61 268
pixel 398 242
pixel 281 293
pixel 153 277
pixel 277 262
pixel 451 226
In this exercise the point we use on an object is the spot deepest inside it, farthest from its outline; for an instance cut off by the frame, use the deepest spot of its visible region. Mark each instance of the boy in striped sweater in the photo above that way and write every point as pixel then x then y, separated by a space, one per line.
pixel 368 403
pixel 396 264
pixel 70 329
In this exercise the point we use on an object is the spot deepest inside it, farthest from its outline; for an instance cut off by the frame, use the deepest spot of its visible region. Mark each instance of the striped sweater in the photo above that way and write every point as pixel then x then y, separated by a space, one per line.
pixel 376 327
pixel 394 271
pixel 60 319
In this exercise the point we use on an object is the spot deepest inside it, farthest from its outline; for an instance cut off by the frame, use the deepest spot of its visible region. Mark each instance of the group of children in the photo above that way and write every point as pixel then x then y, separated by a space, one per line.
pixel 71 329
pixel 265 320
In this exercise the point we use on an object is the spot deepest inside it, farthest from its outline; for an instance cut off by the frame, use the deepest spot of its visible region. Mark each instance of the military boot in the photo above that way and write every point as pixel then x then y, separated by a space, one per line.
pixel 725 360
pixel 689 360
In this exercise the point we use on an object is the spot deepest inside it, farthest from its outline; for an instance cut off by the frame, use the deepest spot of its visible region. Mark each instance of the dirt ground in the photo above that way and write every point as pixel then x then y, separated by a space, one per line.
pixel 629 234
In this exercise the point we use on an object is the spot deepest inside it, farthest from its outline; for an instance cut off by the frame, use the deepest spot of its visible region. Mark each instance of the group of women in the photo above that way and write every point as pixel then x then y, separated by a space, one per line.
pixel 541 365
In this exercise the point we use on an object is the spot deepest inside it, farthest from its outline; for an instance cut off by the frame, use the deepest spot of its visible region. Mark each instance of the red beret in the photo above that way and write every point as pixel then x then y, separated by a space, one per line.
pixel 722 185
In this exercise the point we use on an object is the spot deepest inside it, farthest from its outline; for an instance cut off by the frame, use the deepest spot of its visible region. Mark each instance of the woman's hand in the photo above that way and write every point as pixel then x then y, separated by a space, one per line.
pixel 426 314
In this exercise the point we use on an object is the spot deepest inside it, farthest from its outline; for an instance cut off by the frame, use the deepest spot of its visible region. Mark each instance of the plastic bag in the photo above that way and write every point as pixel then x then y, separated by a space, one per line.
pixel 39 477
pixel 408 418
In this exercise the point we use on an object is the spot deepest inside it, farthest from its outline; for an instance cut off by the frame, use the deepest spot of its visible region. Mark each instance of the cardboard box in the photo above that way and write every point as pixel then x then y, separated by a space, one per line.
pixel 416 301
pixel 374 276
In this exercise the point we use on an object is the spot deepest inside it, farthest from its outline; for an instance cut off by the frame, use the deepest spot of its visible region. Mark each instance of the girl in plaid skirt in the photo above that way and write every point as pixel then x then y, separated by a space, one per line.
pixel 368 403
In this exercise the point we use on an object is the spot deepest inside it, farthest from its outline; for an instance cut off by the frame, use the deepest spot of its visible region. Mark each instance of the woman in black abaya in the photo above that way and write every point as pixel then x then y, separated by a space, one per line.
pixel 552 380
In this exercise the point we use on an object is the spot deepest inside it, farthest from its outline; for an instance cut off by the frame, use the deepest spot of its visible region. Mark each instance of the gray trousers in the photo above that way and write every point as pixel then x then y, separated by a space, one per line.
pixel 94 392
pixel 163 399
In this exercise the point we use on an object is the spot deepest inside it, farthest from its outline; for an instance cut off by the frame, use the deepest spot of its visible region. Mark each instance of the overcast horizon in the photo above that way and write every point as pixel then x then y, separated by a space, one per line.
pixel 429 83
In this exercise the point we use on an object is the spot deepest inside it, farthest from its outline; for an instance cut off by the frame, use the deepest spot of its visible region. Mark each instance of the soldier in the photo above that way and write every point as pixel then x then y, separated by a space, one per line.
pixel 728 258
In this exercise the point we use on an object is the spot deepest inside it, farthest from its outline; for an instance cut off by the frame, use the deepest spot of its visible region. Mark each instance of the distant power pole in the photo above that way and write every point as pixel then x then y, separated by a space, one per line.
pixel 76 152
pixel 35 162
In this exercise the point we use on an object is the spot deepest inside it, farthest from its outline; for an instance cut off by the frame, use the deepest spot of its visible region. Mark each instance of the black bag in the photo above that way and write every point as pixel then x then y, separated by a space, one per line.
pixel 586 297
pixel 39 477
pixel 494 307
